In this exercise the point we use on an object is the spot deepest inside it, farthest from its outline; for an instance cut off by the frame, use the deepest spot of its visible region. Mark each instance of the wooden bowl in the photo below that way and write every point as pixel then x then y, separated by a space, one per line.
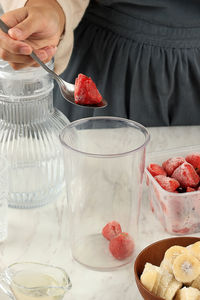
pixel 154 254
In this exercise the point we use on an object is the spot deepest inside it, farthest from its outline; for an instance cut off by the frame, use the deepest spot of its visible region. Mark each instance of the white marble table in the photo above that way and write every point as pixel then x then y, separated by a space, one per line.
pixel 42 235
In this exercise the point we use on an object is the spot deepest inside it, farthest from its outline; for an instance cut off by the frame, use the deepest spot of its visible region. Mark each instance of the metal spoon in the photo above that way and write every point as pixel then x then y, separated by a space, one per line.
pixel 66 89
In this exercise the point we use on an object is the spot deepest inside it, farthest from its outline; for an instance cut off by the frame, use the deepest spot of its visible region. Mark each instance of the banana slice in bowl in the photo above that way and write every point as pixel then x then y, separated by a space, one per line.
pixel 186 268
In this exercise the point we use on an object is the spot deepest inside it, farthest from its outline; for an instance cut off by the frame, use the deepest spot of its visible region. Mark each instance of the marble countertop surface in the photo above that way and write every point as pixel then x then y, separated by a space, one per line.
pixel 42 234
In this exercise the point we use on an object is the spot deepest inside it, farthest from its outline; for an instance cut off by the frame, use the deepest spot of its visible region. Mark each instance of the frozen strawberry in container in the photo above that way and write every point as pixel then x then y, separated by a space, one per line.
pixel 194 160
pixel 175 197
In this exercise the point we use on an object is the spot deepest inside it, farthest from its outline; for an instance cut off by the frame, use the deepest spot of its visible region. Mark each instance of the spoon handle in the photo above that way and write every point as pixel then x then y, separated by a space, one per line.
pixel 36 58
pixel 5 29
pixel 3 26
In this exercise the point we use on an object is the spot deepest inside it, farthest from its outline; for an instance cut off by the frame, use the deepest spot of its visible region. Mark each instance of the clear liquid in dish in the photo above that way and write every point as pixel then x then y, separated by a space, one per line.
pixel 29 285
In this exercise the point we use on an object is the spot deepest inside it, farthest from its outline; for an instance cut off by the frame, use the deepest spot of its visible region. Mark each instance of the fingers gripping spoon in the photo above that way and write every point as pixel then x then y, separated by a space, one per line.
pixel 66 89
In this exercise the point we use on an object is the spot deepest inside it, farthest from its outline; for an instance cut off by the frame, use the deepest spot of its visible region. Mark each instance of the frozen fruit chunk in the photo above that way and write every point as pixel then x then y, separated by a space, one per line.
pixel 181 189
pixel 167 183
pixel 156 169
pixel 194 160
pixel 189 189
pixel 111 229
pixel 86 92
pixel 186 175
pixel 122 246
pixel 172 163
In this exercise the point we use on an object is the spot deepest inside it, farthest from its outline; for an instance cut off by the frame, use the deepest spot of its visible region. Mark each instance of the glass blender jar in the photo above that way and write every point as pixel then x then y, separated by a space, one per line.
pixel 104 161
pixel 29 131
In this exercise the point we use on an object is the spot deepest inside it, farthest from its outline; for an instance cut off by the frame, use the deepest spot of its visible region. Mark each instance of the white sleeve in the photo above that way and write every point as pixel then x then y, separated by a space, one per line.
pixel 12 4
pixel 74 10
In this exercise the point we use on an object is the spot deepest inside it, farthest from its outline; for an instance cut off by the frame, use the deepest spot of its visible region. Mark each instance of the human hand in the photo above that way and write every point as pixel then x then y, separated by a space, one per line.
pixel 36 27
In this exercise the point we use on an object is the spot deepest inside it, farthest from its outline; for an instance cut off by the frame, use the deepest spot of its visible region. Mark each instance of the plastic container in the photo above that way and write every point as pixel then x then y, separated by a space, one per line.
pixel 29 131
pixel 179 213
pixel 104 162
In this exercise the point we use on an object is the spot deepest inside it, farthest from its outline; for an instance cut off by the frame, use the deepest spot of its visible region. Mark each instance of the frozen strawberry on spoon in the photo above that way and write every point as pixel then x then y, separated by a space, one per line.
pixel 86 92
pixel 68 89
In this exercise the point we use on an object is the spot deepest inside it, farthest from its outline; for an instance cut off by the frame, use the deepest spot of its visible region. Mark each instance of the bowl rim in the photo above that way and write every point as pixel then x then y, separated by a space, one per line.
pixel 137 279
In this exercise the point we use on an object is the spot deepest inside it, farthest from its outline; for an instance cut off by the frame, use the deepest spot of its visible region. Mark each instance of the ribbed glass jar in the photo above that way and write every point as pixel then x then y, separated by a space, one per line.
pixel 29 136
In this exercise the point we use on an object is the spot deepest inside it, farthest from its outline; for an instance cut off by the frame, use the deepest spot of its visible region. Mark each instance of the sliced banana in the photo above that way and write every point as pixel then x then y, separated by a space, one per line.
pixel 189 246
pixel 165 265
pixel 165 280
pixel 186 268
pixel 170 256
pixel 174 251
pixel 196 283
pixel 157 282
pixel 172 289
pixel 179 267
pixel 149 266
pixel 194 249
pixel 150 276
pixel 187 293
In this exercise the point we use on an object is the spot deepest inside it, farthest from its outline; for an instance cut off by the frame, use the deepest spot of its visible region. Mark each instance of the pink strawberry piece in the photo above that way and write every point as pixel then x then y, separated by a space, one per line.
pixel 122 246
pixel 86 92
pixel 194 160
pixel 172 163
pixel 167 183
pixel 189 189
pixel 186 175
pixel 156 169
pixel 111 229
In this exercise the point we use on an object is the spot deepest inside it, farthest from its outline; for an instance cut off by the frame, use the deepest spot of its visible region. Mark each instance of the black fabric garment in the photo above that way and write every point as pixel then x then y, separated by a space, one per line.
pixel 177 13
pixel 144 57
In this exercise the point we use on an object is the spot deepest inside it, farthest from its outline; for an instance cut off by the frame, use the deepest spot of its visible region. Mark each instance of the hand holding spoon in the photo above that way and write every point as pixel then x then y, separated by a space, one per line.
pixel 66 89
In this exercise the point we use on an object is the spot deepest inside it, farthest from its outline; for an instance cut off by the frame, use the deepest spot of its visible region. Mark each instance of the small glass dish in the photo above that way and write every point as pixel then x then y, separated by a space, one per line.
pixel 32 281
pixel 179 213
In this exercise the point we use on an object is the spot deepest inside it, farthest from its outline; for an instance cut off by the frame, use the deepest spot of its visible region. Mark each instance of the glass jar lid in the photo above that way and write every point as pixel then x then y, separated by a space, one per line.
pixel 27 82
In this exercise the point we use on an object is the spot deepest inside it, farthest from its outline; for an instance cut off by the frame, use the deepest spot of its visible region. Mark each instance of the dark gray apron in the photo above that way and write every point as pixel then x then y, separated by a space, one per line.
pixel 148 72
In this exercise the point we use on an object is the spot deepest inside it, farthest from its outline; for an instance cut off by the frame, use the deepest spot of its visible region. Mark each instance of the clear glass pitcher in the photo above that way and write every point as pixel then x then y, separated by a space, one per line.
pixel 34 281
pixel 29 130
pixel 3 198
pixel 104 162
